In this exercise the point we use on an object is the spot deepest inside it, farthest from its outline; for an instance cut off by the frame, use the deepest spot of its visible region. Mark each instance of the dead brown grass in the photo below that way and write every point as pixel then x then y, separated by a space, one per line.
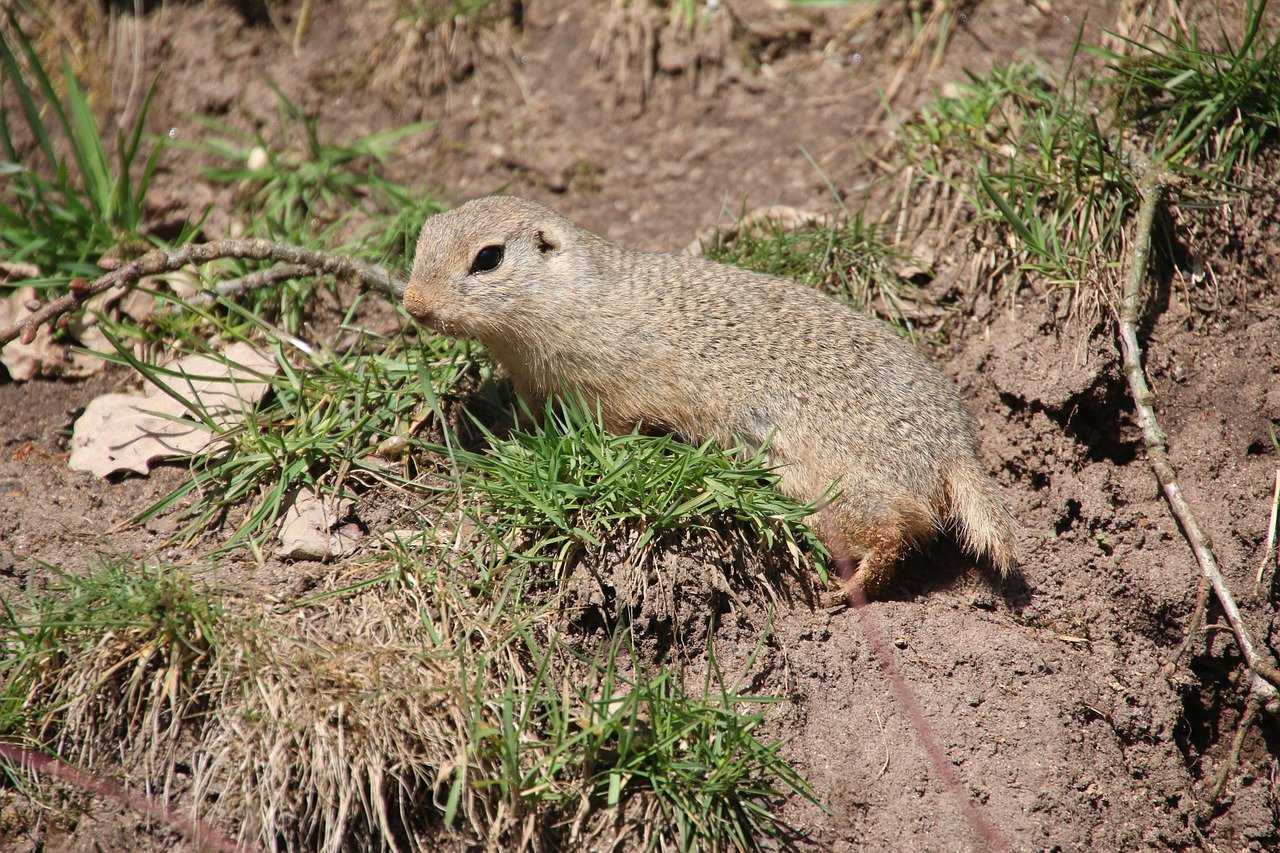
pixel 433 43
pixel 639 39
pixel 342 727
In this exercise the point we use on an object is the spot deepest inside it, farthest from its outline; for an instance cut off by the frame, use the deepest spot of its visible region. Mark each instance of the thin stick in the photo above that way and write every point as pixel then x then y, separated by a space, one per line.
pixel 1198 611
pixel 278 274
pixel 1269 552
pixel 1266 676
pixel 1233 757
pixel 161 261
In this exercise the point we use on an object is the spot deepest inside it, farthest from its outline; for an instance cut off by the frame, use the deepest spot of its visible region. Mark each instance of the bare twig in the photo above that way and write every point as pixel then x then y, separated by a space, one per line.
pixel 161 261
pixel 278 274
pixel 1198 611
pixel 1263 667
pixel 1233 757
pixel 1269 551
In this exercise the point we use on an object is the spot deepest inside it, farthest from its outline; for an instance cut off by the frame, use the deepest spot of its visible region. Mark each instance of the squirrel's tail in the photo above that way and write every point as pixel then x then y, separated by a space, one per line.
pixel 980 521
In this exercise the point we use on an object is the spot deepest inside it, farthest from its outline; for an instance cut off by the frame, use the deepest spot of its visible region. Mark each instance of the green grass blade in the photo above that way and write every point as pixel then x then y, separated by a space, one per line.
pixel 1006 210
pixel 29 109
pixel 86 147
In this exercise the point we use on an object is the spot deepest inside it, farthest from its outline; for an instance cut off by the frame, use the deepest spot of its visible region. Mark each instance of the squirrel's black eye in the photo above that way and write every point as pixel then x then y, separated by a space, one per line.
pixel 487 259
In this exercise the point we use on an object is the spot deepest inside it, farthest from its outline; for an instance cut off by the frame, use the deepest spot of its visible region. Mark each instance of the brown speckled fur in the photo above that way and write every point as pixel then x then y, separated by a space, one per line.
pixel 712 351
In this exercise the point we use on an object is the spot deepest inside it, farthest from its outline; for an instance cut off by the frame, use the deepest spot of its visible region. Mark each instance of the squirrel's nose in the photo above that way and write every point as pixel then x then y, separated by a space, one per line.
pixel 417 305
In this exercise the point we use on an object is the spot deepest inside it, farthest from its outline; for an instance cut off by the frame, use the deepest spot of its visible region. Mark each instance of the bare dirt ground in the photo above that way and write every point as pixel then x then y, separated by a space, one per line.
pixel 1048 696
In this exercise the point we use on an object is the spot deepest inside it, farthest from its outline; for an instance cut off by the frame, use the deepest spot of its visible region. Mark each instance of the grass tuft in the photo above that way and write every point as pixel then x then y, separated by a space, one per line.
pixel 685 771
pixel 405 713
pixel 567 485
pixel 411 713
pixel 65 216
pixel 1212 109
pixel 1048 167
pixel 299 188
pixel 430 44
pixel 110 661
pixel 851 259
pixel 1031 158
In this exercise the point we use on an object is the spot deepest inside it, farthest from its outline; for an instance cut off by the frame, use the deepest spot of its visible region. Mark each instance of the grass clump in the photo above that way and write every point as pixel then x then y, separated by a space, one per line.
pixel 328 412
pixel 849 258
pixel 1211 108
pixel 364 723
pixel 684 771
pixel 1049 168
pixel 568 485
pixel 296 187
pixel 112 659
pixel 299 188
pixel 432 44
pixel 1030 157
pixel 407 713
pixel 426 710
pixel 63 218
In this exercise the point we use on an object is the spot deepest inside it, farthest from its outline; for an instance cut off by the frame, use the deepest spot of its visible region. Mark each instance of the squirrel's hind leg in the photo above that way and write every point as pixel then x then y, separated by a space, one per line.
pixel 865 555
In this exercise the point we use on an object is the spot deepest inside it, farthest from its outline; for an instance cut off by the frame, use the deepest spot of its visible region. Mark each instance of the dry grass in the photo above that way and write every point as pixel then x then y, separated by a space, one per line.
pixel 110 666
pixel 367 722
pixel 434 43
pixel 639 39
pixel 849 256
pixel 1036 171
pixel 416 705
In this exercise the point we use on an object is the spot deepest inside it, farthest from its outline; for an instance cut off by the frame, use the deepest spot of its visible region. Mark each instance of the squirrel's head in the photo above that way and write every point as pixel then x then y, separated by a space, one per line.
pixel 483 268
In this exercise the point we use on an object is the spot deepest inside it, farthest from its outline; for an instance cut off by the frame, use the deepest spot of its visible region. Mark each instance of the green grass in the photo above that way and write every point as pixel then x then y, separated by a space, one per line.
pixel 851 258
pixel 1049 166
pixel 694 761
pixel 1211 108
pixel 456 708
pixel 325 416
pixel 1029 156
pixel 567 485
pixel 299 188
pixel 137 637
pixel 296 187
pixel 65 213
pixel 590 740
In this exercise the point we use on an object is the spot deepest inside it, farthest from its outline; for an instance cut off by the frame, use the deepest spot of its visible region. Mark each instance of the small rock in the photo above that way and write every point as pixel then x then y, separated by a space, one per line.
pixel 311 529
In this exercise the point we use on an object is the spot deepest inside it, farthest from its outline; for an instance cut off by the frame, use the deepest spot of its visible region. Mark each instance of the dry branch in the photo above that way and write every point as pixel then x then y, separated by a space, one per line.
pixel 162 261
pixel 278 274
pixel 1262 666
pixel 1233 757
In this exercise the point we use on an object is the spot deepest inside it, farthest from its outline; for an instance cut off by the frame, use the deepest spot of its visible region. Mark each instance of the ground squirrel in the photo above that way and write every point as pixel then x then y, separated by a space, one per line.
pixel 715 352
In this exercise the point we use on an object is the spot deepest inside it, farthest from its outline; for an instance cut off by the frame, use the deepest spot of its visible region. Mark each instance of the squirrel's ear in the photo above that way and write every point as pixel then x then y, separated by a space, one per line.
pixel 547 239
